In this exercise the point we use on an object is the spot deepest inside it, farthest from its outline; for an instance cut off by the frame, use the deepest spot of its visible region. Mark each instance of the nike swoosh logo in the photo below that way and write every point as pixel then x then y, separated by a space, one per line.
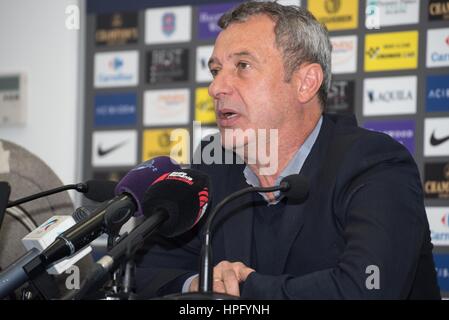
pixel 102 152
pixel 435 142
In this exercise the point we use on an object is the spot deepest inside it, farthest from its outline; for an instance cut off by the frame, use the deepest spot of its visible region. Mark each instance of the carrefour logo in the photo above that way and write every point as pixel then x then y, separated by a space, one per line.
pixel 116 63
pixel 116 69
pixel 438 47
pixel 445 220
pixel 439 225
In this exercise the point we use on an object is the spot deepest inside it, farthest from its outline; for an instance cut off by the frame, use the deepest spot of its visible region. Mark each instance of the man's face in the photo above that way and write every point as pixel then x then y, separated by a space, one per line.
pixel 248 89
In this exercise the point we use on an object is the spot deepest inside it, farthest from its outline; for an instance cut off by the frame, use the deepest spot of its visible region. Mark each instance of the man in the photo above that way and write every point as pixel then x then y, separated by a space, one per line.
pixel 361 234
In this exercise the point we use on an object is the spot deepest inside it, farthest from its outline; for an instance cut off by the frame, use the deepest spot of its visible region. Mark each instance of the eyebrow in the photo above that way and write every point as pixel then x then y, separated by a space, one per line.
pixel 213 60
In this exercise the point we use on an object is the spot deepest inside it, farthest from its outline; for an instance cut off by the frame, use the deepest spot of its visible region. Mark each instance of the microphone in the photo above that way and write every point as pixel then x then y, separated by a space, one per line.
pixel 183 195
pixel 295 187
pixel 110 216
pixel 36 241
pixel 96 190
pixel 172 205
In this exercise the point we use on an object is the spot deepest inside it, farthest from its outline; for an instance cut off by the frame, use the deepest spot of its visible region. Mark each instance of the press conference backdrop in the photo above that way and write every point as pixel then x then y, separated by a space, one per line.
pixel 146 82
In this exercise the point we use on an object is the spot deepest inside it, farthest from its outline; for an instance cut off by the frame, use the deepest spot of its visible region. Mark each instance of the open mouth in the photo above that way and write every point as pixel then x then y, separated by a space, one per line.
pixel 228 115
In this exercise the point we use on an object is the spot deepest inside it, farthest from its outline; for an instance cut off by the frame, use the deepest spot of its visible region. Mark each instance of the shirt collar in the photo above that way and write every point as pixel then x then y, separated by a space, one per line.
pixel 293 167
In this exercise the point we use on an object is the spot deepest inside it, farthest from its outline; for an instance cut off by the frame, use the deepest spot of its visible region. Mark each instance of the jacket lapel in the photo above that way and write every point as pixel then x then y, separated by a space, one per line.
pixel 238 220
pixel 295 214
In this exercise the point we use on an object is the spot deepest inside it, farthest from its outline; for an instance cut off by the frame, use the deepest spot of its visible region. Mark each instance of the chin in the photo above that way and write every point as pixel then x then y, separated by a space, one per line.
pixel 231 140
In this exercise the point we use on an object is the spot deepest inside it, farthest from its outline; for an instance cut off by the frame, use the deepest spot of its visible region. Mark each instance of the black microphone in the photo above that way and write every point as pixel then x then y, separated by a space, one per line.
pixel 295 187
pixel 96 190
pixel 172 205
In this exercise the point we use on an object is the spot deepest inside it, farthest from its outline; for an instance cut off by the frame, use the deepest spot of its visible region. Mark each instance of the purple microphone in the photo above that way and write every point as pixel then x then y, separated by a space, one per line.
pixel 137 181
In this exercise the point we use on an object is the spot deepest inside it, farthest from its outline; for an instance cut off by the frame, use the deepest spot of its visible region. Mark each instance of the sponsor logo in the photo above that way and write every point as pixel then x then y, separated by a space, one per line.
pixel 203 196
pixel 168 25
pixel 438 10
pixel 204 107
pixel 116 29
pixel 336 14
pixel 340 97
pixel 203 54
pixel 436 142
pixel 48 224
pixel 167 65
pixel 393 12
pixel 437 48
pixel 103 152
pixel 208 16
pixel 391 51
pixel 402 131
pixel 344 54
pixel 438 224
pixel 387 96
pixel 176 175
pixel 436 133
pixel 437 97
pixel 115 109
pixel 114 148
pixel 332 6
pixel 436 182
pixel 174 143
pixel 442 270
pixel 168 106
pixel 290 2
pixel 116 69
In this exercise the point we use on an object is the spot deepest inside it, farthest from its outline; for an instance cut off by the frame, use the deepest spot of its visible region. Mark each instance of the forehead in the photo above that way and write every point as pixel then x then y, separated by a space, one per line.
pixel 256 34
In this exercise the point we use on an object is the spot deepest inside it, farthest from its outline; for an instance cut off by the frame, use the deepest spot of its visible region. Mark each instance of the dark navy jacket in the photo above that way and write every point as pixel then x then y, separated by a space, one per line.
pixel 365 210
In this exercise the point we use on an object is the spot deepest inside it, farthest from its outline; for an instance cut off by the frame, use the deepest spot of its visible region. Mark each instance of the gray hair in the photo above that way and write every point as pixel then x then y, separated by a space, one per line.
pixel 298 34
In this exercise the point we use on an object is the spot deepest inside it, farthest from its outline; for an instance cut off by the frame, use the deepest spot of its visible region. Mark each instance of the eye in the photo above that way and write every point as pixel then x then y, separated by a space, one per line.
pixel 214 72
pixel 243 65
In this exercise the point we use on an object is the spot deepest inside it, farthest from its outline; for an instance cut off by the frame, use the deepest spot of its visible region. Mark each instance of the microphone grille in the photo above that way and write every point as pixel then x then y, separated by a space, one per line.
pixel 297 188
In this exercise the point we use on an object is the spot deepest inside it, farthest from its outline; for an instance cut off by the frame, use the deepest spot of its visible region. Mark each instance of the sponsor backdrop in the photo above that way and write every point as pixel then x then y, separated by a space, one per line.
pixel 146 82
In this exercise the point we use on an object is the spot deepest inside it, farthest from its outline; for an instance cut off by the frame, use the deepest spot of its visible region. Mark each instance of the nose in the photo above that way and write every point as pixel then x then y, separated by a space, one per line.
pixel 221 85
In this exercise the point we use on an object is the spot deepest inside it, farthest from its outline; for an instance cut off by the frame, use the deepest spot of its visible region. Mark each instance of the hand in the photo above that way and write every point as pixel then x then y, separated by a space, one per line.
pixel 226 278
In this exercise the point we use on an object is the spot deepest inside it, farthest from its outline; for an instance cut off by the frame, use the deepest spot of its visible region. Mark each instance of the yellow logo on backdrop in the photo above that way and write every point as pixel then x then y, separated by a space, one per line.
pixel 336 14
pixel 173 143
pixel 391 51
pixel 204 107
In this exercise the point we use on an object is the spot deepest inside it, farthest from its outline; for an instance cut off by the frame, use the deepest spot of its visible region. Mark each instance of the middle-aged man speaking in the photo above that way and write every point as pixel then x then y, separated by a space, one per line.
pixel 362 233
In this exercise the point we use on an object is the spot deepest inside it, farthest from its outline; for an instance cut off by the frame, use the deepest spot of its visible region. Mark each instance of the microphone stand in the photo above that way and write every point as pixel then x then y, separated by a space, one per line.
pixel 206 271
pixel 122 252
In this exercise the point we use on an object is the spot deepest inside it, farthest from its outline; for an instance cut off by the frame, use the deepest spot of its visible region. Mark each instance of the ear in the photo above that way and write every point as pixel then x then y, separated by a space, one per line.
pixel 309 80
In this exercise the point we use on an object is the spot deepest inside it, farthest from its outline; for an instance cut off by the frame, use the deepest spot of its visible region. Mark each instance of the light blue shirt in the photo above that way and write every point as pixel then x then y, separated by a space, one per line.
pixel 293 167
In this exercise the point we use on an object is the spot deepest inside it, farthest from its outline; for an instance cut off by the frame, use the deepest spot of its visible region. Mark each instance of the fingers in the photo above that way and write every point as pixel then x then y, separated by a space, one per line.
pixel 218 286
pixel 228 276
pixel 231 282
pixel 194 285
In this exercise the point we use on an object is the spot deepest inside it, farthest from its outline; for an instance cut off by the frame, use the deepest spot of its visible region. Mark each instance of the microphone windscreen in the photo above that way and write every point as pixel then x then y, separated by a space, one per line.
pixel 100 190
pixel 297 188
pixel 137 181
pixel 183 194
